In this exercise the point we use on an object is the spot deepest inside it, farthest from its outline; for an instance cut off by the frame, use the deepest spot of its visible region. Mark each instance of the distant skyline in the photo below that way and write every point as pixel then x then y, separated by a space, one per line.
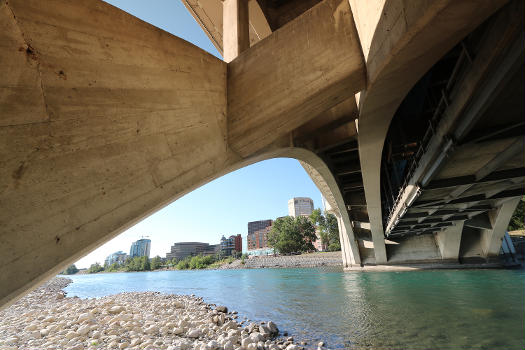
pixel 221 207
pixel 226 205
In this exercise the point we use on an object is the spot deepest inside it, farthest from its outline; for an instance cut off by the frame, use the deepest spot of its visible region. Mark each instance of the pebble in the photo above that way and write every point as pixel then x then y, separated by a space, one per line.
pixel 134 321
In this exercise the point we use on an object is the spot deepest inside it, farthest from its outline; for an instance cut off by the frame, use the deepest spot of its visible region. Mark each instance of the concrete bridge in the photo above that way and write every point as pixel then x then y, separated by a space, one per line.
pixel 408 115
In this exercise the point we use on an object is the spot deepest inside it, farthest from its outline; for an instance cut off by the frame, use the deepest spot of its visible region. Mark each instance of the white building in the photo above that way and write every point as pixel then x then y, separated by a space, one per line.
pixel 300 206
pixel 117 257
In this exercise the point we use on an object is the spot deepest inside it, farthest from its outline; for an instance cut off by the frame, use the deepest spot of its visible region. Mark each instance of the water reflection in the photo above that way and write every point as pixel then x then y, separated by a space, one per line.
pixel 376 310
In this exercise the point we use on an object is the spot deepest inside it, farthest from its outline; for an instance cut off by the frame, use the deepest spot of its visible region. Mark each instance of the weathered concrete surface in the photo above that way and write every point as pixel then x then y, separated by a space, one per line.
pixel 327 69
pixel 413 249
pixel 104 119
pixel 326 183
pixel 101 126
pixel 400 42
pixel 449 241
pixel 236 32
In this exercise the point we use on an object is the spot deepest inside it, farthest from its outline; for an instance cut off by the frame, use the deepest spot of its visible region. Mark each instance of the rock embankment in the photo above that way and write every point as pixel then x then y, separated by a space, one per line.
pixel 46 319
pixel 292 261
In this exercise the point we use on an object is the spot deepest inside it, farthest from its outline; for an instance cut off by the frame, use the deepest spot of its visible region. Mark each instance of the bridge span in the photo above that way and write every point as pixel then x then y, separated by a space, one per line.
pixel 408 116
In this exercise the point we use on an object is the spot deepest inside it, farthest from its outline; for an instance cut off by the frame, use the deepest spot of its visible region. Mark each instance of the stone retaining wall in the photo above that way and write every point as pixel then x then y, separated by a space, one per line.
pixel 305 260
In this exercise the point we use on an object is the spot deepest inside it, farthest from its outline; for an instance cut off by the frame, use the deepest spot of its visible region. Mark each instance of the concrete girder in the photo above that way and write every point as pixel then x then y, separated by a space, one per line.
pixel 325 122
pixel 209 15
pixel 400 43
pixel 268 97
pixel 236 32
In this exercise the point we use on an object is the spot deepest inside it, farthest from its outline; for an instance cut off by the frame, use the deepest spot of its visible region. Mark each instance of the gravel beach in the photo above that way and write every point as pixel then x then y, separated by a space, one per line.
pixel 47 319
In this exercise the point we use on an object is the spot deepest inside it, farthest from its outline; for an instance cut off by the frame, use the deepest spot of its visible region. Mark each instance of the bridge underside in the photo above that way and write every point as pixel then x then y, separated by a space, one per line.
pixel 453 162
pixel 104 119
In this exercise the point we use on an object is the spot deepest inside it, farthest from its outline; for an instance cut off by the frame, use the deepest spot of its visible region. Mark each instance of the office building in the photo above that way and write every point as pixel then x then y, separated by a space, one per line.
pixel 258 234
pixel 259 239
pixel 258 225
pixel 117 257
pixel 182 250
pixel 140 248
pixel 231 244
pixel 300 206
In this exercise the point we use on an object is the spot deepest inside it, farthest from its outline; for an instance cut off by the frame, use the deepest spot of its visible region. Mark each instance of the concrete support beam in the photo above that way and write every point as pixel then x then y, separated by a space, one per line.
pixel 104 120
pixel 349 246
pixel 343 241
pixel 325 181
pixel 304 68
pixel 449 241
pixel 236 28
pixel 400 42
pixel 500 218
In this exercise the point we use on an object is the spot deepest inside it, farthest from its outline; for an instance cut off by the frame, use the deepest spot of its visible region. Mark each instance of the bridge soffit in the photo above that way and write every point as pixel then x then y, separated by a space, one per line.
pixel 401 41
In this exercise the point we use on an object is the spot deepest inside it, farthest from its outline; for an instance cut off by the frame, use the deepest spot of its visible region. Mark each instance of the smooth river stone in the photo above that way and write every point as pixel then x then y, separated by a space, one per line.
pixel 194 333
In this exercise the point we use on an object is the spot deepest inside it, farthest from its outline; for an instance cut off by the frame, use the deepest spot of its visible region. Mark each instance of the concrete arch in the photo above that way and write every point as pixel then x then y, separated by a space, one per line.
pixel 81 242
pixel 401 41
pixel 105 121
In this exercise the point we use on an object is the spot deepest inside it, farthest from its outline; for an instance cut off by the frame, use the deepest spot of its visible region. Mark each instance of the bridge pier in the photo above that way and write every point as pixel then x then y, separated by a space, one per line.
pixel 499 218
pixel 449 241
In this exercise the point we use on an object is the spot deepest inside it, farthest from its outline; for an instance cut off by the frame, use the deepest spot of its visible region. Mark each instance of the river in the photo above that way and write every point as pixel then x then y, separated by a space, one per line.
pixel 441 309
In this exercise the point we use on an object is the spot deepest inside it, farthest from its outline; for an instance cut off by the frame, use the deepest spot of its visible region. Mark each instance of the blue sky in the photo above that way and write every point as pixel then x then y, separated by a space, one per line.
pixel 224 206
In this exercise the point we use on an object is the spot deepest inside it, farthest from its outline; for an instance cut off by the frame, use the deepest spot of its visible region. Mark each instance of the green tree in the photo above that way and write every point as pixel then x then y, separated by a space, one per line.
pixel 328 229
pixel 290 234
pixel 138 263
pixel 94 268
pixel 113 267
pixel 517 222
pixel 156 263
pixel 333 233
pixel 71 270
pixel 319 220
pixel 196 262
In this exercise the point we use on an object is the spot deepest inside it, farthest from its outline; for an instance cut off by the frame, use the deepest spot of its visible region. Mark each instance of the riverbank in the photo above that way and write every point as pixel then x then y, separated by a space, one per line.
pixel 46 318
pixel 318 259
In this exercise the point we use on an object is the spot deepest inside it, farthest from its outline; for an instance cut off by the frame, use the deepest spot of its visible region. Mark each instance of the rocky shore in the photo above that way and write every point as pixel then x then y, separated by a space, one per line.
pixel 47 319
pixel 292 261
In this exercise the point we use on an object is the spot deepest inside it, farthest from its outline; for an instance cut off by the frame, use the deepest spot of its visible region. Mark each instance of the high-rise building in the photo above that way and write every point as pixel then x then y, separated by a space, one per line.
pixel 231 244
pixel 140 248
pixel 259 238
pixel 258 234
pixel 182 250
pixel 300 206
pixel 258 225
pixel 117 257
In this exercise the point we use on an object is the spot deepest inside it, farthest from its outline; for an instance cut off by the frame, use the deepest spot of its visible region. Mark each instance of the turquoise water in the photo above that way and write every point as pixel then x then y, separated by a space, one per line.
pixel 447 309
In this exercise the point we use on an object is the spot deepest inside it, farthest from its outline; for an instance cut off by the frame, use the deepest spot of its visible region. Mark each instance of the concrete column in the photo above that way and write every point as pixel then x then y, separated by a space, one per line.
pixel 499 218
pixel 235 28
pixel 342 240
pixel 349 247
pixel 449 241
